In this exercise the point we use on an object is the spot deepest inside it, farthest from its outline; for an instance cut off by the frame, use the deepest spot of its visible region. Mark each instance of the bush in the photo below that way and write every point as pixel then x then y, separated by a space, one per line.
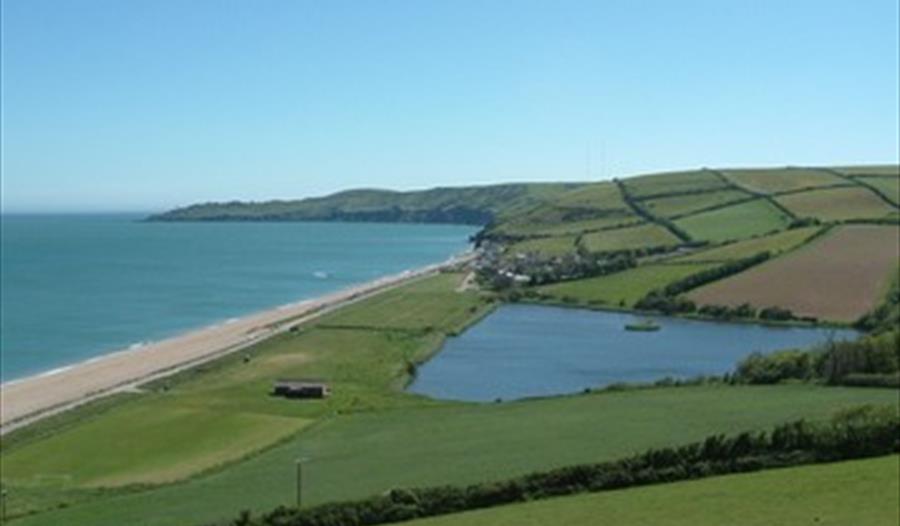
pixel 776 314
pixel 772 368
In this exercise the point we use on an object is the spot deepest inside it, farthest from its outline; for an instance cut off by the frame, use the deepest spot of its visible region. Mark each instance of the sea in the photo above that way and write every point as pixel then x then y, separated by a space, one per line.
pixel 74 287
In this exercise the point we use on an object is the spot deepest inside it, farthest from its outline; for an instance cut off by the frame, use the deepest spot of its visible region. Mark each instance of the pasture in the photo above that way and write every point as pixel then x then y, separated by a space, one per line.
pixel 685 204
pixel 872 169
pixel 838 277
pixel 859 492
pixel 360 454
pixel 735 222
pixel 590 207
pixel 646 235
pixel 622 289
pixel 561 228
pixel 672 182
pixel 837 204
pixel 775 244
pixel 604 196
pixel 771 181
pixel 545 246
pixel 429 304
pixel 889 186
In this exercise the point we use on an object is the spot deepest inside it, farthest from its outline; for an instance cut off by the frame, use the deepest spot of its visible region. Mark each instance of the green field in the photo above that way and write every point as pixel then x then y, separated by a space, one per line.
pixel 859 492
pixel 889 186
pixel 775 244
pixel 428 304
pixel 836 204
pixel 664 183
pixel 153 442
pixel 604 196
pixel 362 454
pixel 686 204
pixel 557 227
pixel 588 207
pixel 622 288
pixel 770 181
pixel 546 246
pixel 735 222
pixel 872 169
pixel 648 235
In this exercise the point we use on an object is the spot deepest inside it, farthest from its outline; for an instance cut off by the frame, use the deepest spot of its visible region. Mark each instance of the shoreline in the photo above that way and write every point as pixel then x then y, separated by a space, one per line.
pixel 31 398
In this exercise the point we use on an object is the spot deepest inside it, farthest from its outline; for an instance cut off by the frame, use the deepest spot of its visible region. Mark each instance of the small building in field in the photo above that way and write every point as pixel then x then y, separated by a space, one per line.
pixel 301 389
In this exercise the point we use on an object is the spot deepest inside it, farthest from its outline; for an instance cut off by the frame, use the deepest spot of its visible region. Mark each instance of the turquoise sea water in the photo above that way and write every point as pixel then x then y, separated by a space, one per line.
pixel 77 286
pixel 527 350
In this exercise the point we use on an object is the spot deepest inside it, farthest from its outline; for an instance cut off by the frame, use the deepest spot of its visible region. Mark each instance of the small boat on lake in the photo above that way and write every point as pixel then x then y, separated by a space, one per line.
pixel 643 326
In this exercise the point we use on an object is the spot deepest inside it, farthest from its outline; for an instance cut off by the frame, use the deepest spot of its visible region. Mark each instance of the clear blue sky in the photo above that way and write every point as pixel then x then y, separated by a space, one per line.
pixel 147 104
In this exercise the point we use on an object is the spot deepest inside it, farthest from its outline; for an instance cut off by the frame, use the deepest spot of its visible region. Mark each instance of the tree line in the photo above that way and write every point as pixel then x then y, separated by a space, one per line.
pixel 873 360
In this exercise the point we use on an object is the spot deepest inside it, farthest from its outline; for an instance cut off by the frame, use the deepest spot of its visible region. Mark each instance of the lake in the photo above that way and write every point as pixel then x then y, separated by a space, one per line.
pixel 77 286
pixel 530 350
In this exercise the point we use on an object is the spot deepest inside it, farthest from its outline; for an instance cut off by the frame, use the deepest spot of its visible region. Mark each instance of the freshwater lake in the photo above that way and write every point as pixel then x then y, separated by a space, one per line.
pixel 528 350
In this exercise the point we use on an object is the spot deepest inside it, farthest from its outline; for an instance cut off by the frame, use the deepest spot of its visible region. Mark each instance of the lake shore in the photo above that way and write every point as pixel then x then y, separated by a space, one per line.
pixel 29 399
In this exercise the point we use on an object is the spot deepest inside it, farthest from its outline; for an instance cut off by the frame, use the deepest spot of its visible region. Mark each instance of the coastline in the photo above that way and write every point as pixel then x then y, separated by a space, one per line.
pixel 29 399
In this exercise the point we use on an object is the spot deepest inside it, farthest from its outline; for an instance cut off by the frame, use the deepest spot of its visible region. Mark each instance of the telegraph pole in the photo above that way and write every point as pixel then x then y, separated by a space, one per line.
pixel 299 465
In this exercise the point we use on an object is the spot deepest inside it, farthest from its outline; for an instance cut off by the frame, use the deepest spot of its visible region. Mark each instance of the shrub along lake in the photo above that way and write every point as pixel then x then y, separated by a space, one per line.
pixel 529 350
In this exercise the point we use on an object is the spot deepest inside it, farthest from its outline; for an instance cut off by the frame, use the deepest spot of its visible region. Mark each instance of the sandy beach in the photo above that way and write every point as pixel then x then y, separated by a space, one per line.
pixel 29 399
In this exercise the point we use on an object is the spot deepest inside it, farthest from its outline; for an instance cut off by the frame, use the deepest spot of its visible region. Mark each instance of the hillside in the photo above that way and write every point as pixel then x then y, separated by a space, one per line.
pixel 826 238
pixel 475 205
pixel 786 245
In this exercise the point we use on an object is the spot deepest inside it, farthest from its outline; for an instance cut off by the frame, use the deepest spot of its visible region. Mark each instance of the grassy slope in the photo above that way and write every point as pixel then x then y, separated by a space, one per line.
pixel 775 244
pixel 836 204
pixel 734 222
pixel 860 492
pixel 547 246
pixel 559 228
pixel 685 204
pixel 589 207
pixel 654 184
pixel 889 186
pixel 366 363
pixel 628 286
pixel 781 180
pixel 873 169
pixel 649 235
pixel 357 455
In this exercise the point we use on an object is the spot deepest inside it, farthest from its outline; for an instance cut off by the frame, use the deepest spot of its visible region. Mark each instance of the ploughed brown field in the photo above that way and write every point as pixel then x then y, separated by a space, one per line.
pixel 838 277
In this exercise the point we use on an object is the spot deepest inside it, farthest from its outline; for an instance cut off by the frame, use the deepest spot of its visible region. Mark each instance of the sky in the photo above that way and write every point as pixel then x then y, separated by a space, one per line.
pixel 150 104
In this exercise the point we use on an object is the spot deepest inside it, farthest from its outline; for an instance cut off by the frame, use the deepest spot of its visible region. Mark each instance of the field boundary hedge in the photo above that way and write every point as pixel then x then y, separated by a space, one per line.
pixel 859 433
pixel 769 197
pixel 639 209
pixel 860 182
